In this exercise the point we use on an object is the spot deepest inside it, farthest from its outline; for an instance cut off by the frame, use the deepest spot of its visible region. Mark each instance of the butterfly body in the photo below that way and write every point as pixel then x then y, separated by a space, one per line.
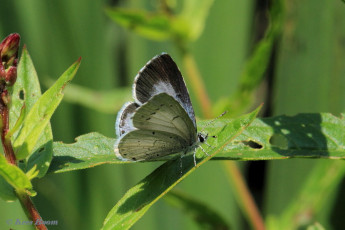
pixel 160 123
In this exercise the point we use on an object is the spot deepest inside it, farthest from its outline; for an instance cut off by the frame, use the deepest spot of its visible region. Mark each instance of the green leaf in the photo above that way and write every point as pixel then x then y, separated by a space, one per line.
pixel 316 226
pixel 14 175
pixel 255 67
pixel 142 196
pixel 186 26
pixel 307 206
pixel 303 135
pixel 281 137
pixel 6 191
pixel 26 91
pixel 103 101
pixel 194 13
pixel 156 26
pixel 203 215
pixel 39 115
pixel 90 150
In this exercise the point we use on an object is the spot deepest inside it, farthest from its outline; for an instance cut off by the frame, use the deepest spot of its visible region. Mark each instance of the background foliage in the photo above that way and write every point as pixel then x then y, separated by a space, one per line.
pixel 305 74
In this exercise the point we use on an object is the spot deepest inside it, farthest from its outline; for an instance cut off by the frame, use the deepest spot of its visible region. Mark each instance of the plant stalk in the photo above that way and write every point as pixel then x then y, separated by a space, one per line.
pixel 244 197
pixel 30 210
pixel 6 144
pixel 8 75
pixel 197 85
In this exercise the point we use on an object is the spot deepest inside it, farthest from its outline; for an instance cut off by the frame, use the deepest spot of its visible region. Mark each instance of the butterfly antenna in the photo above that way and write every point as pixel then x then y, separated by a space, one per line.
pixel 210 122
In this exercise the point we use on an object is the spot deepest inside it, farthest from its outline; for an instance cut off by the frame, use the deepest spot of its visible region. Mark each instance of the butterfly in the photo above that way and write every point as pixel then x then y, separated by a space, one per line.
pixel 160 123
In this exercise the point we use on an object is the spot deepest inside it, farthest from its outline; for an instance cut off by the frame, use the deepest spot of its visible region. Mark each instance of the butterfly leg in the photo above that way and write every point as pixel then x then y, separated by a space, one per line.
pixel 207 144
pixel 194 157
pixel 181 165
pixel 204 150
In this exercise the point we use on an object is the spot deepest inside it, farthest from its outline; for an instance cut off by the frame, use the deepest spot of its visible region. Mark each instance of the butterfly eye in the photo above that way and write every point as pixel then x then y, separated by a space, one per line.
pixel 201 138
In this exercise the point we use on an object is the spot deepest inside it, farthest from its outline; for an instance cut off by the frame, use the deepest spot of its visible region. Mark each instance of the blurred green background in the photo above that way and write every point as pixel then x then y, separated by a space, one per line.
pixel 306 73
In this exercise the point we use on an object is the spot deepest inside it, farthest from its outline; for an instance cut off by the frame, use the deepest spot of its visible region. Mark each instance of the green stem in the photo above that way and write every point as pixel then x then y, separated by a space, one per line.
pixel 23 197
pixel 197 85
pixel 245 199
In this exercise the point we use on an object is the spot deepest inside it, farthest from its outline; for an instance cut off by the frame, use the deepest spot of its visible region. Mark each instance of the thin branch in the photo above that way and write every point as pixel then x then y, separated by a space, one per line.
pixel 8 75
pixel 30 210
pixel 197 85
pixel 243 196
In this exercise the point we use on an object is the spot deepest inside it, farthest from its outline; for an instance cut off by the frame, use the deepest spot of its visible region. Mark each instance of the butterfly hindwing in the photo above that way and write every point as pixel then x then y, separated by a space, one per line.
pixel 124 122
pixel 161 127
pixel 164 113
pixel 140 145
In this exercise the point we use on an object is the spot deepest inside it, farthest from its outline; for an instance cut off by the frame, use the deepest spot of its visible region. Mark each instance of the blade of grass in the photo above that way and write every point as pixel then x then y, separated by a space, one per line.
pixel 205 217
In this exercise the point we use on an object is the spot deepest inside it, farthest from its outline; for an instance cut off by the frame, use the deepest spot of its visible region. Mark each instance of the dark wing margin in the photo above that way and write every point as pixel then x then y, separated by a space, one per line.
pixel 161 75
pixel 124 122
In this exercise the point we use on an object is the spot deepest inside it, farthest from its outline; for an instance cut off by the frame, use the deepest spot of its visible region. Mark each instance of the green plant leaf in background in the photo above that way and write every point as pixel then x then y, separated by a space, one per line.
pixel 26 91
pixel 156 26
pixel 308 206
pixel 109 101
pixel 316 226
pixel 89 150
pixel 204 216
pixel 308 77
pixel 132 206
pixel 6 191
pixel 281 137
pixel 195 12
pixel 39 115
pixel 255 68
pixel 13 175
pixel 184 27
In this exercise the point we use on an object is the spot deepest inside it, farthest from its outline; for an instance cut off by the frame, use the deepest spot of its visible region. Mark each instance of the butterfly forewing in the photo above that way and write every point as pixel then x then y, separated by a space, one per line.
pixel 161 74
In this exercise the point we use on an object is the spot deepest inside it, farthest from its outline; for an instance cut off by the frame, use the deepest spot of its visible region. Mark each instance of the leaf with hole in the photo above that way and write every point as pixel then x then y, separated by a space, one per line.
pixel 26 91
pixel 39 115
pixel 303 135
pixel 281 137
pixel 132 206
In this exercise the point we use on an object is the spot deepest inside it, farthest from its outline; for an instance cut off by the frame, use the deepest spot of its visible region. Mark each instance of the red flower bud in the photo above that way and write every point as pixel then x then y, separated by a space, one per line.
pixel 9 58
pixel 11 75
pixel 9 49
